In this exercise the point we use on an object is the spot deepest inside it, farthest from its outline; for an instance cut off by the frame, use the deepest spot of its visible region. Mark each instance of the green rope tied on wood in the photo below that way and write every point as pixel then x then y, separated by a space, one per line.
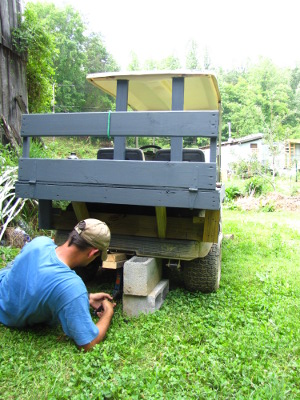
pixel 108 124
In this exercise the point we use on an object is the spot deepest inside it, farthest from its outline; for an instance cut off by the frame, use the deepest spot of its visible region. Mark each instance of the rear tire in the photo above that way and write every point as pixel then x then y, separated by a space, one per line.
pixel 204 274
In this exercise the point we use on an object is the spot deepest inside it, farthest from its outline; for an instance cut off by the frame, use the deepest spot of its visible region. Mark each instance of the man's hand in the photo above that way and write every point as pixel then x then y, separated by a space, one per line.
pixel 96 299
pixel 108 308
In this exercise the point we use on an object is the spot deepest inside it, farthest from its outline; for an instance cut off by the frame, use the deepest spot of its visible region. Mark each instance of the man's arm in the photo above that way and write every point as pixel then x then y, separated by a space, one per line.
pixel 103 324
pixel 78 324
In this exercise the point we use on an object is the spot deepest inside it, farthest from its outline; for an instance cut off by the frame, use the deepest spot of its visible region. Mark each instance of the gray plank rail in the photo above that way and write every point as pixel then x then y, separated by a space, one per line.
pixel 123 123
pixel 174 184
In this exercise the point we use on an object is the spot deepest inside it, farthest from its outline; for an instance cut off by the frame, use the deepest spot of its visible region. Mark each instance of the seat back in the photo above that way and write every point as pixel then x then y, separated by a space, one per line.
pixel 191 155
pixel 130 154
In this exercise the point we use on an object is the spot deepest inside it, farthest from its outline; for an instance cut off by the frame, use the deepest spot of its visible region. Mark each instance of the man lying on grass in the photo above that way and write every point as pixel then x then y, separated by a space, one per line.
pixel 41 287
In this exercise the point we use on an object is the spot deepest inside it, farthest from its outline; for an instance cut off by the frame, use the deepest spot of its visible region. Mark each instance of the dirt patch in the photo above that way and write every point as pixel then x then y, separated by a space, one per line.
pixel 272 201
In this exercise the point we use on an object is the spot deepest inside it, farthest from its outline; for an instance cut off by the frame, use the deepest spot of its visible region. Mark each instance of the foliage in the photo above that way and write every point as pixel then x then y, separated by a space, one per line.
pixel 67 27
pixel 62 147
pixel 7 254
pixel 239 108
pixel 97 60
pixel 271 85
pixel 134 64
pixel 56 37
pixel 293 118
pixel 245 168
pixel 192 57
pixel 240 342
pixel 171 62
pixel 8 157
pixel 254 186
pixel 257 98
pixel 232 192
pixel 196 59
pixel 33 40
pixel 10 206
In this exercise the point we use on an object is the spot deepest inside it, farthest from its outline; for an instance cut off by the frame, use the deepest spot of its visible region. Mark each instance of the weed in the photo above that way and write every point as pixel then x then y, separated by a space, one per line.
pixel 7 254
pixel 294 190
pixel 8 157
pixel 268 207
pixel 232 192
pixel 254 186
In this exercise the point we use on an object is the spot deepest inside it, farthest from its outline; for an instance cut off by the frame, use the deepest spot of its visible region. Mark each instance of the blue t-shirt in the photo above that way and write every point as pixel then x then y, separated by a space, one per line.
pixel 39 288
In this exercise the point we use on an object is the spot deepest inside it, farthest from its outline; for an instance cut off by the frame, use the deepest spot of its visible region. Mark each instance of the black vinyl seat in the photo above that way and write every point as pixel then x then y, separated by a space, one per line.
pixel 130 154
pixel 191 155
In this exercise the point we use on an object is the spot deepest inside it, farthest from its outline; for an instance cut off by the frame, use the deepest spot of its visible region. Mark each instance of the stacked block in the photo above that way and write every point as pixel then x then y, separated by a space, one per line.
pixel 143 289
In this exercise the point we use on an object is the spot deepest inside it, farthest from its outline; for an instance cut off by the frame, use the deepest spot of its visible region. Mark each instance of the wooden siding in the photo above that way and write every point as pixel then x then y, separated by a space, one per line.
pixel 12 69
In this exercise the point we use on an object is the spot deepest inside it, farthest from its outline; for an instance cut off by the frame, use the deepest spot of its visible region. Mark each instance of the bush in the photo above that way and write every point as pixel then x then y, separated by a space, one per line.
pixel 8 157
pixel 247 168
pixel 232 192
pixel 254 186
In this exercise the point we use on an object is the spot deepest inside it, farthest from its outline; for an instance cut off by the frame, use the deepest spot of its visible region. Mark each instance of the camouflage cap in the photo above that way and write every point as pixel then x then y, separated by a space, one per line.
pixel 96 233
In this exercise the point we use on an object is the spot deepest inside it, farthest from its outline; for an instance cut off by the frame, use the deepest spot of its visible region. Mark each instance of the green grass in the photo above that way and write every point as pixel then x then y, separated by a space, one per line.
pixel 241 342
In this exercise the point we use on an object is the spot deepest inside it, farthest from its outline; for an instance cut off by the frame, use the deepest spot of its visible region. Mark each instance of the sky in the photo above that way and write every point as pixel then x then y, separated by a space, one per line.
pixel 233 32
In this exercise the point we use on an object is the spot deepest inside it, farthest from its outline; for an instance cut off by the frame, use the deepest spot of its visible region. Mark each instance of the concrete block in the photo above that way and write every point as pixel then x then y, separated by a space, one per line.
pixel 141 275
pixel 135 305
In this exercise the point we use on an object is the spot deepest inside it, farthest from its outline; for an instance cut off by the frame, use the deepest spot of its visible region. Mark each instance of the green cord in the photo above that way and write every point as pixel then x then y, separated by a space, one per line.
pixel 108 125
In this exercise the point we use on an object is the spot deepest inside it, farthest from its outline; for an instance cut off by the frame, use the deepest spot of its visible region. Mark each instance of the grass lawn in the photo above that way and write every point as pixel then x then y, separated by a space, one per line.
pixel 241 342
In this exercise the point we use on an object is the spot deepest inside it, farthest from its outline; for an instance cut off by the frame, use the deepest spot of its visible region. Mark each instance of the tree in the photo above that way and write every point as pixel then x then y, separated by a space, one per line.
pixel 134 64
pixel 293 118
pixel 206 59
pixel 192 59
pixel 67 27
pixel 270 134
pixel 239 108
pixel 252 99
pixel 270 84
pixel 273 93
pixel 97 60
pixel 171 62
pixel 34 41
pixel 59 57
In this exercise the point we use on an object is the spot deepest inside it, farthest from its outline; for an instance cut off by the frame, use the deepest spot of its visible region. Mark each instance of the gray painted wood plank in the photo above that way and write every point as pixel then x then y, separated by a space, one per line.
pixel 118 172
pixel 122 123
pixel 213 149
pixel 26 147
pixel 177 105
pixel 121 105
pixel 209 199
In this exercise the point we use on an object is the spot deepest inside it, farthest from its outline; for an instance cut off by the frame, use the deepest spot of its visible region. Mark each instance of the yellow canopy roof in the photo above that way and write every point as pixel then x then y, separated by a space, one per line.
pixel 152 90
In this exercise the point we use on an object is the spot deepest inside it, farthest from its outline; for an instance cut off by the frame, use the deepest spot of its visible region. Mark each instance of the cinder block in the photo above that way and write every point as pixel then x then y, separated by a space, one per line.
pixel 135 305
pixel 141 275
